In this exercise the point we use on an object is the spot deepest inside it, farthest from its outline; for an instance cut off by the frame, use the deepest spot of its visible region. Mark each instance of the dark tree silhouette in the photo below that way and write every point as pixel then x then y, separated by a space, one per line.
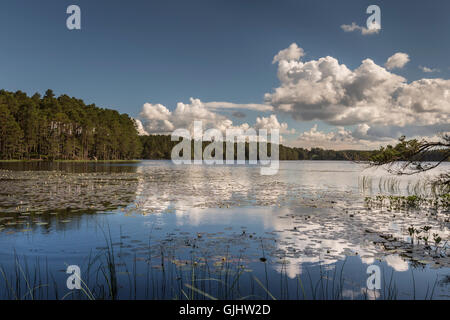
pixel 410 157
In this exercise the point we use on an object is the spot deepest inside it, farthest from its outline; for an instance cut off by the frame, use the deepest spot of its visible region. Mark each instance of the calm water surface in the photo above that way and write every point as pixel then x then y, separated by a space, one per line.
pixel 225 231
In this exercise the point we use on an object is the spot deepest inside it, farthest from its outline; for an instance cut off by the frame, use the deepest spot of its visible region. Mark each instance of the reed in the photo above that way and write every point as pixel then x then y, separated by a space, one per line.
pixel 107 277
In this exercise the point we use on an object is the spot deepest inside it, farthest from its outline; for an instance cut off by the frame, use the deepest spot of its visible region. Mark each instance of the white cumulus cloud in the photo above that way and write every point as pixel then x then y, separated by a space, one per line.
pixel 293 52
pixel 339 139
pixel 140 127
pixel 327 90
pixel 272 122
pixel 158 119
pixel 398 60
pixel 428 70
pixel 364 31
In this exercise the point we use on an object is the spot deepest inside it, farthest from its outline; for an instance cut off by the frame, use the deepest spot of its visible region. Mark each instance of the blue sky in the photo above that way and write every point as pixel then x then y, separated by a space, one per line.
pixel 164 52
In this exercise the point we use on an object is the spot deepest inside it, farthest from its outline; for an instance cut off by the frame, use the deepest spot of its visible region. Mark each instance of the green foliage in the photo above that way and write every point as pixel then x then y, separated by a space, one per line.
pixel 63 128
pixel 414 156
pixel 157 147
pixel 411 154
pixel 404 150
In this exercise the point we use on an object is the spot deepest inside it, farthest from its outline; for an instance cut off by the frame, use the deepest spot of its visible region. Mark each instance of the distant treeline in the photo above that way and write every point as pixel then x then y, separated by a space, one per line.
pixel 158 147
pixel 63 128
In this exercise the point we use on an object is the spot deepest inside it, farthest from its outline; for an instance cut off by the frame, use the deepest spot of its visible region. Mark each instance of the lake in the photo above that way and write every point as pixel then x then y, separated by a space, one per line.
pixel 155 230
